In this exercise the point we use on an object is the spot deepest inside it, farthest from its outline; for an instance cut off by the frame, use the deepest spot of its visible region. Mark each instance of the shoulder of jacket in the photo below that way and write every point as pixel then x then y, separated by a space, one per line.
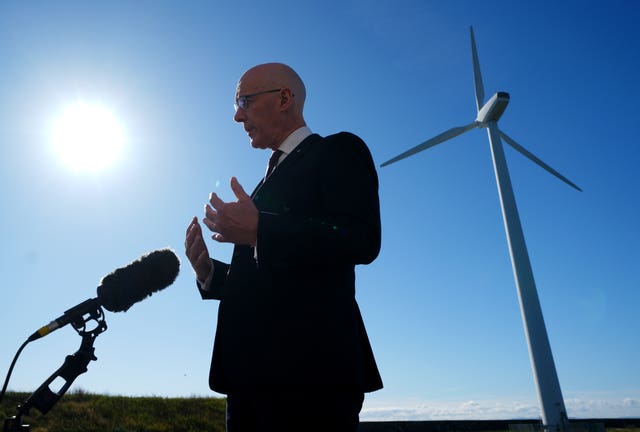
pixel 343 136
pixel 344 139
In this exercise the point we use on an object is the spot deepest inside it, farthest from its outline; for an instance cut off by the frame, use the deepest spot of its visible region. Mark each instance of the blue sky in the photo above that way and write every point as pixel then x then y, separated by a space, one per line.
pixel 440 302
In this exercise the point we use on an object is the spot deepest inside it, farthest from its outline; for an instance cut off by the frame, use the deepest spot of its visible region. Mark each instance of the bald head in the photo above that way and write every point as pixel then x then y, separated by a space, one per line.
pixel 276 75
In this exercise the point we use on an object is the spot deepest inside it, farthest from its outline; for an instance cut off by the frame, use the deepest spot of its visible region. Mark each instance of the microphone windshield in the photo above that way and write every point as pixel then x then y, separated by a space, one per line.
pixel 150 273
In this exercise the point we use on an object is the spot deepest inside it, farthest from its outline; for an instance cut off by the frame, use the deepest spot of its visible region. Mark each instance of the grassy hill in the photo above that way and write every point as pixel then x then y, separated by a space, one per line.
pixel 79 411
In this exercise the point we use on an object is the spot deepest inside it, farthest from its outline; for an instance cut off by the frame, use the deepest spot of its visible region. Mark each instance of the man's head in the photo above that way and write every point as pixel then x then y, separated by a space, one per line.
pixel 269 103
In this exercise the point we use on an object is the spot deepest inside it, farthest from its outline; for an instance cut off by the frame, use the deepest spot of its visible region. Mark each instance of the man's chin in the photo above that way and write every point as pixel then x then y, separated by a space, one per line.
pixel 257 144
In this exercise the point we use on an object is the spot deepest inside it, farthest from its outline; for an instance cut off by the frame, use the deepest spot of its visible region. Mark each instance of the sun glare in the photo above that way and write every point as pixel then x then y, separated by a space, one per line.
pixel 87 137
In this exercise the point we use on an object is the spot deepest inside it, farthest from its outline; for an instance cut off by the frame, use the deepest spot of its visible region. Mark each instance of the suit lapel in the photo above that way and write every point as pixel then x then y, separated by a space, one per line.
pixel 296 154
pixel 291 158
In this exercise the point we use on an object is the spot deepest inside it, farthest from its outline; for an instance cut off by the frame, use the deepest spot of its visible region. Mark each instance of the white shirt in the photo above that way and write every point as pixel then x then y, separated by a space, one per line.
pixel 292 141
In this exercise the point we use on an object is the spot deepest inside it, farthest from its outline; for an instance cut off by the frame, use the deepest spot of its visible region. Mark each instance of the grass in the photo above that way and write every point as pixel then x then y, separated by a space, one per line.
pixel 81 411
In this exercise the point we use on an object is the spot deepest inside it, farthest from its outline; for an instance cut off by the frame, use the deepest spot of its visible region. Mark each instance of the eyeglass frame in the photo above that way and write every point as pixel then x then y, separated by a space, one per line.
pixel 242 102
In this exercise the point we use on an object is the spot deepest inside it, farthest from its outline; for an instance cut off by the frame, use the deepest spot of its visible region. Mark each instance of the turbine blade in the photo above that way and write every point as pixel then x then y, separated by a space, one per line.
pixel 444 136
pixel 477 77
pixel 531 156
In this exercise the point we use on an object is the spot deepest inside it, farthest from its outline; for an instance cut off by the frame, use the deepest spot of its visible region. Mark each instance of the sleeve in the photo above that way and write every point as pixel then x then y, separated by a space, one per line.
pixel 211 289
pixel 346 229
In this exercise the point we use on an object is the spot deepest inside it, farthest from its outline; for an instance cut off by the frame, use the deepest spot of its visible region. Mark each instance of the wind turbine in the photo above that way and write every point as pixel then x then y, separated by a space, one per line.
pixel 554 415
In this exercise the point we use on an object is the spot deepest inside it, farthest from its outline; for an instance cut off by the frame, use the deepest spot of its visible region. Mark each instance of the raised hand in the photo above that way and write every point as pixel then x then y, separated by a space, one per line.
pixel 232 222
pixel 196 251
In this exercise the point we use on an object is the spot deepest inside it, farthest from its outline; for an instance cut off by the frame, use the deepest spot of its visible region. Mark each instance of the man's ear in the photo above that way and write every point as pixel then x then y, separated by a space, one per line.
pixel 286 99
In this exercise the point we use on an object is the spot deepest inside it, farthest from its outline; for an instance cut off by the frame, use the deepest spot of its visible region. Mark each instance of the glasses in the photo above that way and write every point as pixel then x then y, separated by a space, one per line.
pixel 244 100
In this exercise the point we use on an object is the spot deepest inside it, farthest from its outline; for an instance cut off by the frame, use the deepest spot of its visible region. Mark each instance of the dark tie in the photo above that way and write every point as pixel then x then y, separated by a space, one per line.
pixel 273 161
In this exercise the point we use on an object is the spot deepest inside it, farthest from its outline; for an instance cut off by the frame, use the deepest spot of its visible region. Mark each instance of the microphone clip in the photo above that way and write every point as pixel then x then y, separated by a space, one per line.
pixel 85 312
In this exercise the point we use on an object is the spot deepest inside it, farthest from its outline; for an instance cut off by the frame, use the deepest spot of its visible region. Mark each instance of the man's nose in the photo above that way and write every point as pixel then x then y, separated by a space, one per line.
pixel 240 115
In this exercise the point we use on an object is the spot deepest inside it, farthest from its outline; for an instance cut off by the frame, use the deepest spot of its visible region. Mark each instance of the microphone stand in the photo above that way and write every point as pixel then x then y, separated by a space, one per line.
pixel 43 399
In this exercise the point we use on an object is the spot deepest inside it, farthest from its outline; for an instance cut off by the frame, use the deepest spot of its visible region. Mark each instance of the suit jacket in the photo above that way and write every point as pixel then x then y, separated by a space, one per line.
pixel 289 320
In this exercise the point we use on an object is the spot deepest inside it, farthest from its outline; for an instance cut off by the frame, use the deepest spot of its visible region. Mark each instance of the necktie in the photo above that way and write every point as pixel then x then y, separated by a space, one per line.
pixel 273 161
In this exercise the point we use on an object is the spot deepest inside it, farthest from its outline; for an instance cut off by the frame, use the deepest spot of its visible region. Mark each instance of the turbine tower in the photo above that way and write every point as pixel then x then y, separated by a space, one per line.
pixel 554 415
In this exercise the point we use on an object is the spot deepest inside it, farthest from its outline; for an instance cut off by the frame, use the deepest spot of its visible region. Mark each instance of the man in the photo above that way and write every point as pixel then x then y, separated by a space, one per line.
pixel 291 352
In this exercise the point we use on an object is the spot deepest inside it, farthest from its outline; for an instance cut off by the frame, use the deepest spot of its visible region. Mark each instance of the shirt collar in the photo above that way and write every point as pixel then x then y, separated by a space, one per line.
pixel 292 141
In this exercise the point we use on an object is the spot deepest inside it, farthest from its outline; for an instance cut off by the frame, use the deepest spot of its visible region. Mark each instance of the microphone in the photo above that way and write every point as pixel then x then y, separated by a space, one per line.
pixel 122 288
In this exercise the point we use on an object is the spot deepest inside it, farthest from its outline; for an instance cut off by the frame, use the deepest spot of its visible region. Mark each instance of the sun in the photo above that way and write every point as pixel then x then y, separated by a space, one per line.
pixel 87 137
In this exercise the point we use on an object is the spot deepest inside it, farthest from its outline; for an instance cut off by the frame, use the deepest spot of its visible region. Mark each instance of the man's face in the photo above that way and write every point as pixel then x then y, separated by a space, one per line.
pixel 260 113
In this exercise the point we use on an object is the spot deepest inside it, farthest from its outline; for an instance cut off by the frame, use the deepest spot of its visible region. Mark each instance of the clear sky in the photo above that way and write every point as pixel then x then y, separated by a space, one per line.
pixel 440 302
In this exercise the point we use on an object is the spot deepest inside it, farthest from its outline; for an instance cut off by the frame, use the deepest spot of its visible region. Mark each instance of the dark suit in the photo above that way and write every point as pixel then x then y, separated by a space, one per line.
pixel 289 321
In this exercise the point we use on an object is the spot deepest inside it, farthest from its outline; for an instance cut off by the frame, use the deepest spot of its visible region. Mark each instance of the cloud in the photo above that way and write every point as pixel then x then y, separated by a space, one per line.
pixel 494 409
pixel 603 408
pixel 457 410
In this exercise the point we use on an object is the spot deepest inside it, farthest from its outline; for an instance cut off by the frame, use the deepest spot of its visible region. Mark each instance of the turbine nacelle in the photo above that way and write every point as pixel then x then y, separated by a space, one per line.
pixel 493 109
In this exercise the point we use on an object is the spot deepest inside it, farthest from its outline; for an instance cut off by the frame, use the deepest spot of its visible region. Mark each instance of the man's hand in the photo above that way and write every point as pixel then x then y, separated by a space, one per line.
pixel 197 252
pixel 233 222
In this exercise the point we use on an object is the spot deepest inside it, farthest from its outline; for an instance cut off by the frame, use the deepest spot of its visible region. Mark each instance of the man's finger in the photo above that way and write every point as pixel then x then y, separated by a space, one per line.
pixel 219 238
pixel 238 190
pixel 210 213
pixel 215 201
pixel 210 224
pixel 192 225
pixel 193 231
